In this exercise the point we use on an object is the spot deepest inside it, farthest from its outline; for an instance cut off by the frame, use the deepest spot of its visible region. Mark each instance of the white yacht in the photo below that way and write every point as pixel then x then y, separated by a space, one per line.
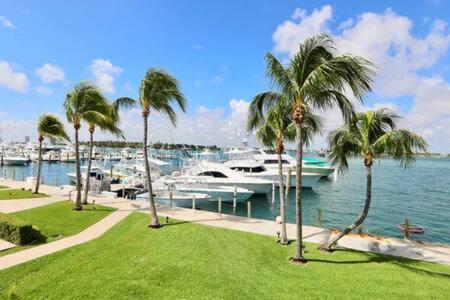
pixel 309 165
pixel 226 193
pixel 96 172
pixel 216 174
pixel 254 168
pixel 178 199
pixel 14 160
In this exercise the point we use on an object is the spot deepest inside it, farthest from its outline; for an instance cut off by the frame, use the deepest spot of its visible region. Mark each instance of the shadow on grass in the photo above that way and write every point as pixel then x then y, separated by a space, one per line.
pixel 404 263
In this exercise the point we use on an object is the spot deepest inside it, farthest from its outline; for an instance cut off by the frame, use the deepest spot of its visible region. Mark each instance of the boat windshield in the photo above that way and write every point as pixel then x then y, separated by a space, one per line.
pixel 213 174
pixel 275 161
pixel 258 169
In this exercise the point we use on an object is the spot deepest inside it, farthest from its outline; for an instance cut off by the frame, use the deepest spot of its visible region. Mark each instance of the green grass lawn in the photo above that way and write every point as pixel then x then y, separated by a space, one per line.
pixel 19 194
pixel 192 261
pixel 59 220
pixel 3 187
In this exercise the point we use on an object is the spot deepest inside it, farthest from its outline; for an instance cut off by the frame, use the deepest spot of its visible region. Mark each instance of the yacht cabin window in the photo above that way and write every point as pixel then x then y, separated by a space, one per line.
pixel 258 169
pixel 213 174
pixel 275 161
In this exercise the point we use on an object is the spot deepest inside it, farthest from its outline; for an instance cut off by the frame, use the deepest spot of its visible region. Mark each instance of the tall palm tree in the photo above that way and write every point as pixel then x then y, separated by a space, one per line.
pixel 371 134
pixel 49 126
pixel 109 124
pixel 274 127
pixel 316 78
pixel 86 103
pixel 157 91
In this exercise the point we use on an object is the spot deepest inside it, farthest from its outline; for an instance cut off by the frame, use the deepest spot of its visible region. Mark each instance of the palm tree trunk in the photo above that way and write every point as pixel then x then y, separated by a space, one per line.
pixel 298 191
pixel 327 246
pixel 78 205
pixel 284 239
pixel 38 179
pixel 88 172
pixel 154 222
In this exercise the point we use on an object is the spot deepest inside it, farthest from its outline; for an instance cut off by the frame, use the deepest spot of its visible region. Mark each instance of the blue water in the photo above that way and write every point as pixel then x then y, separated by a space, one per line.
pixel 420 193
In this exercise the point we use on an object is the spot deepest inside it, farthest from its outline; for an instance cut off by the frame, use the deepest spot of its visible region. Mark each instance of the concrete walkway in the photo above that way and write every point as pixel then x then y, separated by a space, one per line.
pixel 4 245
pixel 88 234
pixel 382 245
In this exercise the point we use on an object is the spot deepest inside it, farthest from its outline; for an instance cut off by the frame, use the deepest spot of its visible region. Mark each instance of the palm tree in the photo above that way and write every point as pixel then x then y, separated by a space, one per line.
pixel 316 78
pixel 49 126
pixel 108 124
pixel 157 91
pixel 275 127
pixel 84 103
pixel 371 134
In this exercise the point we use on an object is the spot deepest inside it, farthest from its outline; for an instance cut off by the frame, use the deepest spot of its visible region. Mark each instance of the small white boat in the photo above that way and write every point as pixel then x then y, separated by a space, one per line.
pixel 15 160
pixel 179 199
pixel 226 193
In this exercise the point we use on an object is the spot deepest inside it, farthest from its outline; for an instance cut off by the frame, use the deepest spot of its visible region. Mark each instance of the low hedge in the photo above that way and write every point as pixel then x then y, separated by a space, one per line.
pixel 17 231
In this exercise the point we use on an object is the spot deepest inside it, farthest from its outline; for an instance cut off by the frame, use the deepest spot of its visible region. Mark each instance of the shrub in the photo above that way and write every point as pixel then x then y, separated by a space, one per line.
pixel 17 231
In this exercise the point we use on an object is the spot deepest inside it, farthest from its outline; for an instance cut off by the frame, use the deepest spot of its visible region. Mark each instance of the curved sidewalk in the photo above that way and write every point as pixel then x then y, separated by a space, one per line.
pixel 86 235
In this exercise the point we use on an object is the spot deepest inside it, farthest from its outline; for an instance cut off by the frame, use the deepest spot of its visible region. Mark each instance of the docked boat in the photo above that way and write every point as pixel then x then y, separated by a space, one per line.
pixel 177 198
pixel 14 160
pixel 411 228
pixel 96 172
pixel 254 168
pixel 216 174
pixel 226 193
pixel 309 165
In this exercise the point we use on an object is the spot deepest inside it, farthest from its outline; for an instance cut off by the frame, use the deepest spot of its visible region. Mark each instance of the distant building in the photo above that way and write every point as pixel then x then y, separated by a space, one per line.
pixel 52 141
pixel 27 139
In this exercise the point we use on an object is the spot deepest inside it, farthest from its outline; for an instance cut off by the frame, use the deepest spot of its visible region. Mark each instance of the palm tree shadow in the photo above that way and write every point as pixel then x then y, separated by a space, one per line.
pixel 404 263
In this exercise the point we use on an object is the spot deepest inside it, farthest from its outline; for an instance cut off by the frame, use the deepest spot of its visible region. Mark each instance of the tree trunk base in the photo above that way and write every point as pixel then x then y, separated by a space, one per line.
pixel 78 208
pixel 156 226
pixel 298 260
pixel 284 243
pixel 325 248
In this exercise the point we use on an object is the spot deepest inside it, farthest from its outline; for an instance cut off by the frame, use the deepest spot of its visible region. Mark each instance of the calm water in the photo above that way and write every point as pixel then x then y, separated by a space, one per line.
pixel 421 193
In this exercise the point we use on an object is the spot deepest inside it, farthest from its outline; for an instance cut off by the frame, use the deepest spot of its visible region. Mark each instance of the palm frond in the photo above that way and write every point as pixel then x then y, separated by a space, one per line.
pixel 49 126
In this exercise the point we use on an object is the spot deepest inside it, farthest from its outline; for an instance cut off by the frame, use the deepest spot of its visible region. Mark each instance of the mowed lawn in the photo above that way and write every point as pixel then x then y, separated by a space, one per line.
pixel 3 187
pixel 192 261
pixel 19 194
pixel 59 220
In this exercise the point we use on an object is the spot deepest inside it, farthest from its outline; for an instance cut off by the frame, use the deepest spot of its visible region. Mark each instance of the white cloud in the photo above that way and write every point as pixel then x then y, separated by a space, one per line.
pixel 205 126
pixel 5 22
pixel 401 57
pixel 11 79
pixel 104 73
pixel 289 34
pixel 43 90
pixel 50 73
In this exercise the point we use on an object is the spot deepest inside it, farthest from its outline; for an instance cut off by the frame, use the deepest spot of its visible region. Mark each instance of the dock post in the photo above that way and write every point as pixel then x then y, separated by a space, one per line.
pixel 249 209
pixel 406 231
pixel 123 191
pixel 56 180
pixel 273 192
pixel 14 175
pixel 219 208
pixel 23 176
pixel 1 160
pixel 193 202
pixel 361 228
pixel 319 217
pixel 171 199
pixel 234 199
pixel 288 182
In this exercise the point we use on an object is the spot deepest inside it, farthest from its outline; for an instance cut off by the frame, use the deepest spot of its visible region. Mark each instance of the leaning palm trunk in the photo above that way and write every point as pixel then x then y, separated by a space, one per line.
pixel 89 166
pixel 298 189
pixel 38 180
pixel 78 205
pixel 154 223
pixel 327 246
pixel 284 239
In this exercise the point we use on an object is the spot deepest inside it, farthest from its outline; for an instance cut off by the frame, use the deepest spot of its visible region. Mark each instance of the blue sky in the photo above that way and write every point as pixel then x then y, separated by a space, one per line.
pixel 215 49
